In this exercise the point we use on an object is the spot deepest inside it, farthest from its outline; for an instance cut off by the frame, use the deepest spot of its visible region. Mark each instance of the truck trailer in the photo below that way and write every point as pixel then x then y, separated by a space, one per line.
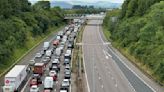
pixel 15 79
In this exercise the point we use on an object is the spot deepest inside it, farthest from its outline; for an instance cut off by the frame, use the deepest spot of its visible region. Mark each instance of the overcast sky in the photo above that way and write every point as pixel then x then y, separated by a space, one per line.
pixel 114 1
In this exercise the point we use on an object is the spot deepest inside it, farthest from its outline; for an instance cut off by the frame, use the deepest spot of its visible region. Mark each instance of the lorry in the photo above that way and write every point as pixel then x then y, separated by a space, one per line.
pixel 48 83
pixel 58 51
pixel 15 79
pixel 39 68
pixel 46 45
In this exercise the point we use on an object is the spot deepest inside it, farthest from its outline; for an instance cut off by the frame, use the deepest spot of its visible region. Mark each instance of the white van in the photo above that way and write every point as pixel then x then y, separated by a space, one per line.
pixel 48 53
pixel 58 51
pixel 58 38
pixel 68 51
pixel 46 45
pixel 48 83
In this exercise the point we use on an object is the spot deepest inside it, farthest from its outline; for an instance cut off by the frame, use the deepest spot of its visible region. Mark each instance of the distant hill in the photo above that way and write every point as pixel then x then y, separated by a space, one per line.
pixel 61 4
pixel 69 4
pixel 106 4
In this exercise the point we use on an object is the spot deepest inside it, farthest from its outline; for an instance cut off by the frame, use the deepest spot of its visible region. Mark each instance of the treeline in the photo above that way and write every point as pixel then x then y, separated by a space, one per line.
pixel 138 29
pixel 19 20
pixel 78 9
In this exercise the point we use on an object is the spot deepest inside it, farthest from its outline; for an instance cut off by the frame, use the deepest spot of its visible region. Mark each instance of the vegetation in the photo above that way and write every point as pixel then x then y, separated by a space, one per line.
pixel 22 25
pixel 78 9
pixel 138 30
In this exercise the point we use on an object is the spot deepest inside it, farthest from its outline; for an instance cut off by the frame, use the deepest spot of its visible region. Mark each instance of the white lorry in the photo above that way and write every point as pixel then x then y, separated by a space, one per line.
pixel 46 45
pixel 15 78
pixel 58 51
pixel 48 83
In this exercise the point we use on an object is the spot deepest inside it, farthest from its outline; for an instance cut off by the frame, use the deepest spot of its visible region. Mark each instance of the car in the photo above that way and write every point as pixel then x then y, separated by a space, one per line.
pixel 65 83
pixel 38 55
pixel 42 52
pixel 53 74
pixel 69 51
pixel 31 62
pixel 54 67
pixel 62 43
pixel 64 89
pixel 52 50
pixel 62 48
pixel 66 61
pixel 67 56
pixel 67 75
pixel 46 60
pixel 67 66
pixel 49 53
pixel 55 62
pixel 47 90
pixel 34 88
pixel 70 46
pixel 33 81
pixel 38 78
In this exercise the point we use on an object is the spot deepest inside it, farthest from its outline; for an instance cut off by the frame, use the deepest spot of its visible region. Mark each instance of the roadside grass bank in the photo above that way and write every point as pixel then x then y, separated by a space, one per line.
pixel 30 45
pixel 106 33
pixel 77 64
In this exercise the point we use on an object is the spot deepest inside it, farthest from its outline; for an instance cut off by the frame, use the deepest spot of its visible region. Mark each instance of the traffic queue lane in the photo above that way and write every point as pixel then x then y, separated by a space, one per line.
pixel 57 84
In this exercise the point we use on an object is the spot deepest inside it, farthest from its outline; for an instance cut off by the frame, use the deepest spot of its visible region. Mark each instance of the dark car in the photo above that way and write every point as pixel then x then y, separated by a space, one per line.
pixel 46 60
pixel 67 75
pixel 55 67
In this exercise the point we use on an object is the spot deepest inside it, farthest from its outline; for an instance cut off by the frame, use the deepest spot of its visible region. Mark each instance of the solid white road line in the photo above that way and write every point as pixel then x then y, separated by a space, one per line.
pixel 131 70
pixel 85 71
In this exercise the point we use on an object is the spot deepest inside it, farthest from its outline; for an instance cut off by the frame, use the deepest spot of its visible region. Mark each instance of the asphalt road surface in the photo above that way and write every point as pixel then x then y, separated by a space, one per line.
pixel 104 70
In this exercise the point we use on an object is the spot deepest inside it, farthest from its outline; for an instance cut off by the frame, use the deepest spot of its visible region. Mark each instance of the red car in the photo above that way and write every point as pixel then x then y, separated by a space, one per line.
pixel 33 82
pixel 47 90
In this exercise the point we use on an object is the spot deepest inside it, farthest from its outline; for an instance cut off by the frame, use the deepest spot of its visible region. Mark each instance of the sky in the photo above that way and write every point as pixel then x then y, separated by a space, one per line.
pixel 114 1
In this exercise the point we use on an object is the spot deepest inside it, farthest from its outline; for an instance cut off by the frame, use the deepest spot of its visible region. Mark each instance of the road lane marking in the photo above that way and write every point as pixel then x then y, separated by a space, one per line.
pixel 85 70
pixel 112 78
pixel 116 85
pixel 102 86
pixel 106 56
pixel 130 70
pixel 99 78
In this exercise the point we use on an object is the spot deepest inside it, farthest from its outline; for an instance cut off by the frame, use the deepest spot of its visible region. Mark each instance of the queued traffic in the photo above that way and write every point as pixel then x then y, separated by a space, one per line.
pixel 50 69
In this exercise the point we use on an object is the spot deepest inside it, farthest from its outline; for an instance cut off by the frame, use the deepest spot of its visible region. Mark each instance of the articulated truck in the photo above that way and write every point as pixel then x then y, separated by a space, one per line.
pixel 15 79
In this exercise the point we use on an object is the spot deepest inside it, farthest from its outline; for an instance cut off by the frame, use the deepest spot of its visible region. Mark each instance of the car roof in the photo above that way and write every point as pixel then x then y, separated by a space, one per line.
pixel 34 86
pixel 65 80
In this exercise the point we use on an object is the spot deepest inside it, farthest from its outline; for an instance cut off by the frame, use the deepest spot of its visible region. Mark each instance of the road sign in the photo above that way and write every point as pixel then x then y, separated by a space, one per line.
pixel 7 81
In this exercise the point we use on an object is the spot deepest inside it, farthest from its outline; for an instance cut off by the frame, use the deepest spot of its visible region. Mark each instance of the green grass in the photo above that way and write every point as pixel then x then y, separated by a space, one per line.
pixel 77 51
pixel 106 33
pixel 32 42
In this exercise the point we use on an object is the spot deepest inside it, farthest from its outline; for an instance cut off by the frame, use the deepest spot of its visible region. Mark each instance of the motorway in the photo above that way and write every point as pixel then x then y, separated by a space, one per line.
pixel 104 70
pixel 31 55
